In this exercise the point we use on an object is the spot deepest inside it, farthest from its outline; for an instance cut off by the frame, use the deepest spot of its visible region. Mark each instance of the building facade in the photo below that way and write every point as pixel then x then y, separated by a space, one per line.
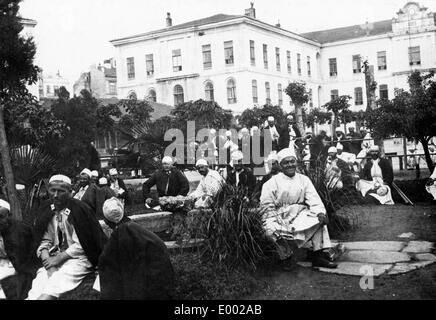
pixel 49 85
pixel 241 62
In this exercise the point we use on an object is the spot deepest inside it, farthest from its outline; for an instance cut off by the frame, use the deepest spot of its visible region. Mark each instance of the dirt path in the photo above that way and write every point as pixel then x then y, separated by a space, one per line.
pixel 382 223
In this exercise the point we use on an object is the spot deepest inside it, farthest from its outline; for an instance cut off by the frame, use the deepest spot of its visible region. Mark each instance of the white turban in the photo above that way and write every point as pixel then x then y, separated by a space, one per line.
pixel 60 178
pixel 244 130
pixel 4 204
pixel 375 148
pixel 272 157
pixel 286 153
pixel 237 155
pixel 167 160
pixel 20 186
pixel 113 210
pixel 332 149
pixel 289 117
pixel 87 172
pixel 228 133
pixel 270 118
pixel 309 132
pixel 212 131
pixel 113 172
pixel 338 129
pixel 94 173
pixel 201 162
pixel 339 146
pixel 102 181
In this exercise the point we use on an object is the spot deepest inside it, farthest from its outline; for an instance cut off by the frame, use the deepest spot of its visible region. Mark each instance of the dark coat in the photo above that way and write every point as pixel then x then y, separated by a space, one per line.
pixel 103 193
pixel 178 184
pixel 346 177
pixel 85 223
pixel 19 248
pixel 246 179
pixel 284 137
pixel 125 195
pixel 135 265
pixel 386 168
pixel 90 197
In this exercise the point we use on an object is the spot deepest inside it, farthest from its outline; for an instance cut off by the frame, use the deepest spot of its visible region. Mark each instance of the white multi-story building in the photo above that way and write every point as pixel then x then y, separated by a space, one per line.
pixel 240 62
pixel 49 85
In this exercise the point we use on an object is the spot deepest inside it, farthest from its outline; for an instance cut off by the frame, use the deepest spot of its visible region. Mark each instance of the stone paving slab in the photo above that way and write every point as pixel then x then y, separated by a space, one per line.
pixel 357 268
pixel 418 247
pixel 406 267
pixel 375 256
pixel 425 257
pixel 375 245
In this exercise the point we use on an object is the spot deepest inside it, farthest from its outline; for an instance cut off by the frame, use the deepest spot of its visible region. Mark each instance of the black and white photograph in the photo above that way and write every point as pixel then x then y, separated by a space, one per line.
pixel 217 155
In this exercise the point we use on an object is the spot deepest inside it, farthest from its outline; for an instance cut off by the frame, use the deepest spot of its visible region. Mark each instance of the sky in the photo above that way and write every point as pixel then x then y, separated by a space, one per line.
pixel 73 34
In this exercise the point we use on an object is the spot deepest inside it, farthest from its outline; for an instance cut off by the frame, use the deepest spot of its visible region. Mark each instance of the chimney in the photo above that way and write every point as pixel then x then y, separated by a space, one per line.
pixel 278 24
pixel 251 12
pixel 169 20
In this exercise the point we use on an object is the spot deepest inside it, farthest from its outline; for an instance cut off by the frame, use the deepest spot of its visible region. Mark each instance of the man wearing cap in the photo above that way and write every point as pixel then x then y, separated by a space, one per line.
pixel 135 263
pixel 94 177
pixel 270 125
pixel 70 240
pixel 290 134
pixel 117 185
pixel 18 263
pixel 210 184
pixel 168 181
pixel 295 214
pixel 366 145
pixel 337 171
pixel 273 168
pixel 240 175
pixel 104 192
pixel 87 191
pixel 229 147
pixel 376 178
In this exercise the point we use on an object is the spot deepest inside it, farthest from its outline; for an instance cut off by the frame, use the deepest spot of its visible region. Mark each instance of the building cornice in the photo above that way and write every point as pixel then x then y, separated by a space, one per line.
pixel 186 76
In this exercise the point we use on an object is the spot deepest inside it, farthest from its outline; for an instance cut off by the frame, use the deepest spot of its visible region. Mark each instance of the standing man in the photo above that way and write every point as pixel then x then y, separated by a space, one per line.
pixel 275 136
pixel 70 240
pixel 117 185
pixel 169 181
pixel 355 145
pixel 94 177
pixel 240 175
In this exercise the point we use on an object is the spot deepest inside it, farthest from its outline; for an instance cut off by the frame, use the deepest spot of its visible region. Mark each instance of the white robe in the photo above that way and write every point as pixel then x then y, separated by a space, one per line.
pixel 291 211
pixel 377 182
pixel 6 267
pixel 208 187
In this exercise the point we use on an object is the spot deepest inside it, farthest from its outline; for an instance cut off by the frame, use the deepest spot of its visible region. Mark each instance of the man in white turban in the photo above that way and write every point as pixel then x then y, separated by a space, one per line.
pixel 240 175
pixel 376 178
pixel 294 213
pixel 117 185
pixel 271 126
pixel 87 191
pixel 70 240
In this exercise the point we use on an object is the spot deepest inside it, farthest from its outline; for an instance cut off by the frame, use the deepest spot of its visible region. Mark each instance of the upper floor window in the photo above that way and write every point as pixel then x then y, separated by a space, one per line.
pixel 310 98
pixel 178 95
pixel 358 96
pixel 357 64
pixel 333 67
pixel 309 72
pixel 265 56
pixel 268 93
pixel 280 94
pixel 111 87
pixel 384 91
pixel 228 52
pixel 149 65
pixel 252 53
pixel 414 56
pixel 130 68
pixel 47 89
pixel 278 59
pixel 231 91
pixel 177 60
pixel 299 64
pixel 208 90
pixel 288 61
pixel 151 95
pixel 207 56
pixel 254 91
pixel 381 60
pixel 334 94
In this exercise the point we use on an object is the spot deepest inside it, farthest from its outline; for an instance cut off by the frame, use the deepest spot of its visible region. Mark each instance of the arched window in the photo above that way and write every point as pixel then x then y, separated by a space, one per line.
pixel 208 89
pixel 178 95
pixel 132 95
pixel 151 95
pixel 231 91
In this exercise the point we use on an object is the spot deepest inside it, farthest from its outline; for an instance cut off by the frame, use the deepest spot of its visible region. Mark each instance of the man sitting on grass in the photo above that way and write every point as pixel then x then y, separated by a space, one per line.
pixel 70 241
pixel 294 215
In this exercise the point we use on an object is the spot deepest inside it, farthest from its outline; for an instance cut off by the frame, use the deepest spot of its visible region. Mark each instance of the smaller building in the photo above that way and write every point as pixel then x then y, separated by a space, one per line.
pixel 100 80
pixel 49 85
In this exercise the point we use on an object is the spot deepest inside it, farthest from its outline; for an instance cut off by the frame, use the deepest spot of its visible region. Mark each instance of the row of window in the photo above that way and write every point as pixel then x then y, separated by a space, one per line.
pixel 414 59
pixel 228 59
pixel 358 94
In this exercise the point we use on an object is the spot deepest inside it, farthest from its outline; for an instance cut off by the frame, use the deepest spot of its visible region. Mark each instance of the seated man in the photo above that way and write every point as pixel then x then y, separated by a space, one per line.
pixel 294 214
pixel 117 185
pixel 70 241
pixel 348 157
pixel 169 181
pixel 16 267
pixel 376 178
pixel 135 264
pixel 338 174
pixel 430 185
pixel 240 175
pixel 104 192
pixel 210 184
pixel 274 168
pixel 87 191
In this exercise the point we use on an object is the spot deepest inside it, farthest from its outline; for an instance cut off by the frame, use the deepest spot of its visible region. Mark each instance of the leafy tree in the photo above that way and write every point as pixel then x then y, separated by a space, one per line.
pixel 299 95
pixel 257 116
pixel 138 113
pixel 16 71
pixel 316 115
pixel 411 114
pixel 338 106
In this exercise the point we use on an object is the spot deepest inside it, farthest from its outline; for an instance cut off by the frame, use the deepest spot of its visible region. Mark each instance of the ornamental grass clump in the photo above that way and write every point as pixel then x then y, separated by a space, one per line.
pixel 233 230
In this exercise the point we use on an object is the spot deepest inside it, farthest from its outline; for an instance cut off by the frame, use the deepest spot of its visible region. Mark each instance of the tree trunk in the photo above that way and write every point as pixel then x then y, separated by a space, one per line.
pixel 299 120
pixel 8 173
pixel 424 143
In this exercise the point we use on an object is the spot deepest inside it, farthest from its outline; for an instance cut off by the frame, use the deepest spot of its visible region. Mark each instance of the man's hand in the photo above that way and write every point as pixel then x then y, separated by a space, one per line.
pixel 55 261
pixel 322 218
